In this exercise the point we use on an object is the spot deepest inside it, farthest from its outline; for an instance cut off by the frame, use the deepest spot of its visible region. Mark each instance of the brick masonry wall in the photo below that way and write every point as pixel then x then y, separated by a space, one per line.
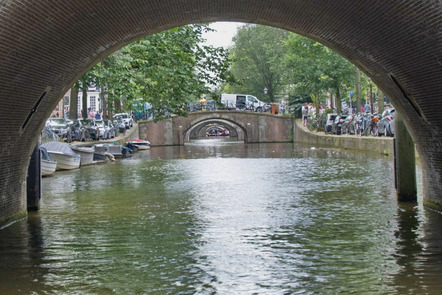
pixel 257 127
pixel 45 46
pixel 380 145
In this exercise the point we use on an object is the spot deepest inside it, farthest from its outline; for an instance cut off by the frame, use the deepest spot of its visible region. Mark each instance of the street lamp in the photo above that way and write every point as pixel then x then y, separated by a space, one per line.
pixel 265 90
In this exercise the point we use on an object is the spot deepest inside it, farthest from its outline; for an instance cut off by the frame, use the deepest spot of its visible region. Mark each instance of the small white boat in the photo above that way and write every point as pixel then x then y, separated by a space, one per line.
pixel 141 144
pixel 116 149
pixel 65 157
pixel 86 154
pixel 102 153
pixel 47 165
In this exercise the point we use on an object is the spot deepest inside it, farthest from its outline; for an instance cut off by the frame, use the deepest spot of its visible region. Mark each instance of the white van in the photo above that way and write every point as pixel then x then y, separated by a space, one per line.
pixel 242 102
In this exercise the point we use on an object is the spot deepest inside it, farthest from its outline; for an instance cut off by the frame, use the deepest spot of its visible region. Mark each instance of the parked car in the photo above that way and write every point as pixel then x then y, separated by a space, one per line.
pixel 120 126
pixel 386 123
pixel 127 119
pixel 112 131
pixel 92 129
pixel 348 127
pixel 329 122
pixel 77 131
pixel 106 128
pixel 58 126
pixel 337 124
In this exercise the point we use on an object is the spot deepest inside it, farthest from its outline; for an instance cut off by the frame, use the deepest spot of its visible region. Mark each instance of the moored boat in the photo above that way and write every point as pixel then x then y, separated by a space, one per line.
pixel 86 154
pixel 102 154
pixel 47 164
pixel 116 149
pixel 65 157
pixel 141 144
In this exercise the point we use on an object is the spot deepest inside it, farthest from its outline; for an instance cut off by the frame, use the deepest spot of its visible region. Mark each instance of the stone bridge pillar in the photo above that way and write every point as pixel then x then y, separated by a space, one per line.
pixel 405 162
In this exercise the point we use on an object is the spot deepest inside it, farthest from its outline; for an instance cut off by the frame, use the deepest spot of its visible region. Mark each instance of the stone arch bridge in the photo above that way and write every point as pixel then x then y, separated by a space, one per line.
pixel 45 46
pixel 248 126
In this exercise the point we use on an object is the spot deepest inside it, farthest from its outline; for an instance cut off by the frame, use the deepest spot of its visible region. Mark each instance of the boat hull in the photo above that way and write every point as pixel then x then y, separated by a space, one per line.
pixel 65 162
pixel 141 144
pixel 86 155
pixel 48 167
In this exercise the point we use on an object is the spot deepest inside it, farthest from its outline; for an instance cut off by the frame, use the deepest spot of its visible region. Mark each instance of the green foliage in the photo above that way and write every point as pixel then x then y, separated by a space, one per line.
pixel 315 69
pixel 256 61
pixel 167 70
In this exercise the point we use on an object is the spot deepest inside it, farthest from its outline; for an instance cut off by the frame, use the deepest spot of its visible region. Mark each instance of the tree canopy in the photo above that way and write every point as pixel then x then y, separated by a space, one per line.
pixel 256 56
pixel 167 70
pixel 290 67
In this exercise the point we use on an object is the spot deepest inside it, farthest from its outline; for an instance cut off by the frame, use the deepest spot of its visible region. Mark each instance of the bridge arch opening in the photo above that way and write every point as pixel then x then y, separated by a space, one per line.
pixel 46 48
pixel 194 131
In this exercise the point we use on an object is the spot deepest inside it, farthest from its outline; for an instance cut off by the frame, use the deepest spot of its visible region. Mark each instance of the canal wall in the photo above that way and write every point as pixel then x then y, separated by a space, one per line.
pixel 382 145
pixel 131 134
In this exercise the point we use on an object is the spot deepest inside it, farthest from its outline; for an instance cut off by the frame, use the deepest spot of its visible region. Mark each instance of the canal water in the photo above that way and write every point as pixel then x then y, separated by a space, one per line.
pixel 220 217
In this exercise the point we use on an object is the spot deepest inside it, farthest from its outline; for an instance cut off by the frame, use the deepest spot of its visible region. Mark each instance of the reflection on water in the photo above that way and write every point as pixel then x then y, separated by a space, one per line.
pixel 218 217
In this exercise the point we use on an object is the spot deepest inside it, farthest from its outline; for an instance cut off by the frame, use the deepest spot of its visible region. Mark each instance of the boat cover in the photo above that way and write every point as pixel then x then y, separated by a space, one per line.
pixel 45 155
pixel 83 149
pixel 59 147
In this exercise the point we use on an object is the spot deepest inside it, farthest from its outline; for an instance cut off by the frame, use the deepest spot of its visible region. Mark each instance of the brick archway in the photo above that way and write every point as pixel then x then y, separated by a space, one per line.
pixel 46 45
pixel 240 130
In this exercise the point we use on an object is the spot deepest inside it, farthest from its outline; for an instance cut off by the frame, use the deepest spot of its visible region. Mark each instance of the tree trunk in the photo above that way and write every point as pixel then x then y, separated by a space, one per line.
pixel 332 106
pixel 358 90
pixel 117 105
pixel 317 104
pixel 84 100
pixel 338 100
pixel 110 108
pixel 73 104
pixel 103 103
pixel 381 106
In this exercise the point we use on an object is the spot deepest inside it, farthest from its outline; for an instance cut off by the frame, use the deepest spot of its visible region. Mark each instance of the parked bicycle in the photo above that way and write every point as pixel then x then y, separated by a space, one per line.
pixel 372 127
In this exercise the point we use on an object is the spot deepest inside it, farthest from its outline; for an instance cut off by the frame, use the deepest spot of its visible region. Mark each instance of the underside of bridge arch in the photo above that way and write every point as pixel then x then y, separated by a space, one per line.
pixel 198 129
pixel 45 46
pixel 215 128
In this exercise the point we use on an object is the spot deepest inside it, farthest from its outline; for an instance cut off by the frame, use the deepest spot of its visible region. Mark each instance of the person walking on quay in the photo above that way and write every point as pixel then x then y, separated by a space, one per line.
pixel 304 114
pixel 367 107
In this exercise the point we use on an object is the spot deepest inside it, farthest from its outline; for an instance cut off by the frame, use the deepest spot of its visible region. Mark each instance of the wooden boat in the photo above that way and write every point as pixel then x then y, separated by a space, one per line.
pixel 65 157
pixel 86 154
pixel 47 164
pixel 141 144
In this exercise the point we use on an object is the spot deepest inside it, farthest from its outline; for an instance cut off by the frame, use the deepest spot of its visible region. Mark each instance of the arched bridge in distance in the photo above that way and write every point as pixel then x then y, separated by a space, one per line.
pixel 248 126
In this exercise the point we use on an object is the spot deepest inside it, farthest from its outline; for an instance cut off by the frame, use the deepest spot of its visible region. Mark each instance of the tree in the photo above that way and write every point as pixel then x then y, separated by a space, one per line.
pixel 167 70
pixel 314 69
pixel 257 53
pixel 304 68
pixel 73 103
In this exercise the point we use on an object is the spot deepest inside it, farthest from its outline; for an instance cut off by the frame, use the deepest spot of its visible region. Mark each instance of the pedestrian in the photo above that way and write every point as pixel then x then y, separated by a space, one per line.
pixel 367 107
pixel 304 114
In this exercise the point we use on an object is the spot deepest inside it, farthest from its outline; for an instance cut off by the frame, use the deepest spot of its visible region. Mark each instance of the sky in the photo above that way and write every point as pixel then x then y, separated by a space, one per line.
pixel 223 35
